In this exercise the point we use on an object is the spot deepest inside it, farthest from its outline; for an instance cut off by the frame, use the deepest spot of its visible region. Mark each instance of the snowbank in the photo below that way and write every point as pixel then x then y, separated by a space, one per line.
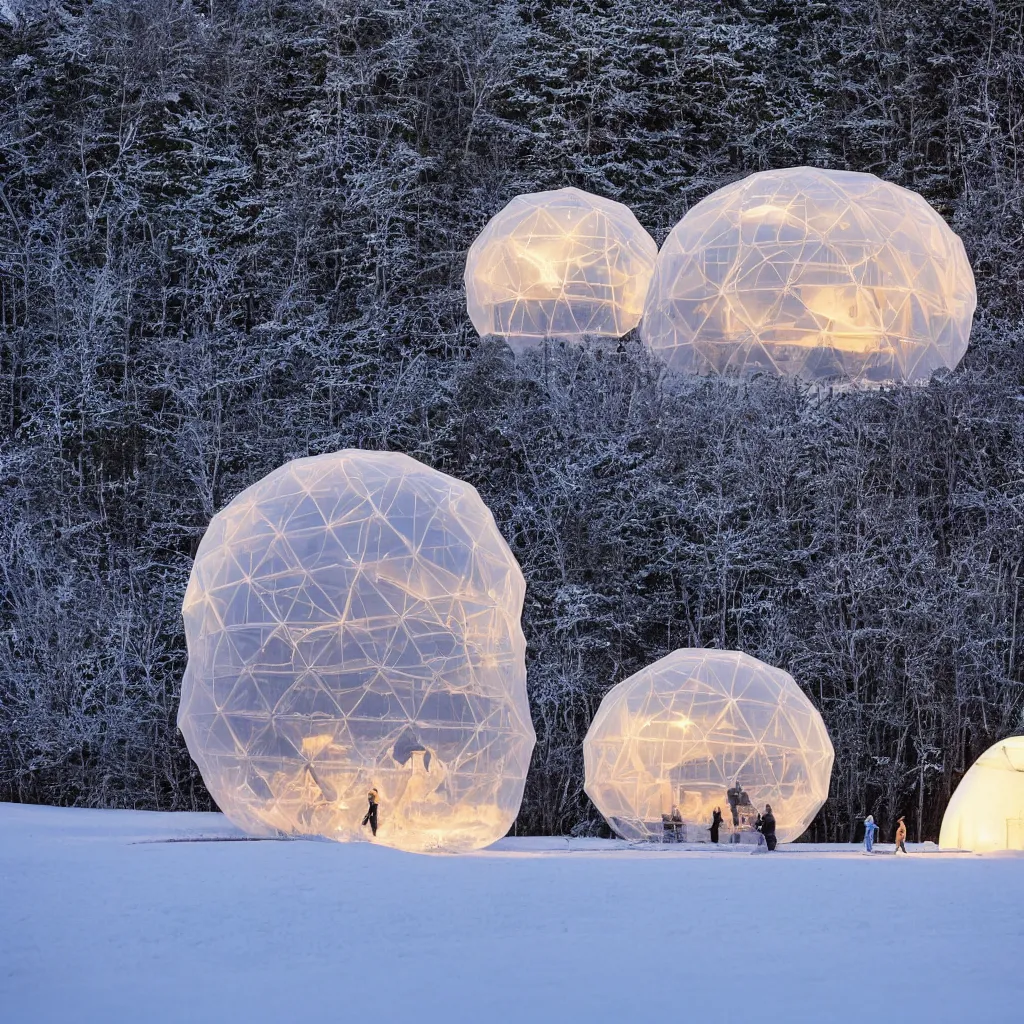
pixel 111 916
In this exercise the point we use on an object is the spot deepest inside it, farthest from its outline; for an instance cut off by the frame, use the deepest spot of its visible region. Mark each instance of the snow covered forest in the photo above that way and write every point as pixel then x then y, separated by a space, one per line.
pixel 232 232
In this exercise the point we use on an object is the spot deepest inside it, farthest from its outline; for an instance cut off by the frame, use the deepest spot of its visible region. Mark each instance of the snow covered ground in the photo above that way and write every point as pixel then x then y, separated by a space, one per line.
pixel 108 916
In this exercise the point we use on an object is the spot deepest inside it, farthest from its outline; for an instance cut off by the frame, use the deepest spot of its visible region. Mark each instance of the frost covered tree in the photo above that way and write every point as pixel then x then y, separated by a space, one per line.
pixel 232 232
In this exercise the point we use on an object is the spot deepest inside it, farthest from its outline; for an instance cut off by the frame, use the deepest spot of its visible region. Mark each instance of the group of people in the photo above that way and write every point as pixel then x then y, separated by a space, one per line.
pixel 765 823
pixel 871 829
pixel 738 800
pixel 740 807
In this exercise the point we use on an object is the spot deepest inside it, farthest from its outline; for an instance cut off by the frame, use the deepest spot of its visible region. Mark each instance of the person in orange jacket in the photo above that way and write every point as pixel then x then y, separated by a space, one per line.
pixel 901 836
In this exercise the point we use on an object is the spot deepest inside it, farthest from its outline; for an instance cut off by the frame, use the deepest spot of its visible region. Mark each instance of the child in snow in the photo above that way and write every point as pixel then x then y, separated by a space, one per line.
pixel 870 828
pixel 373 798
pixel 901 836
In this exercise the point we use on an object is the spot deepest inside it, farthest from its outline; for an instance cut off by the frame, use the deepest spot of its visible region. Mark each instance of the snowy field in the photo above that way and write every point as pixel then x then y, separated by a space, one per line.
pixel 110 916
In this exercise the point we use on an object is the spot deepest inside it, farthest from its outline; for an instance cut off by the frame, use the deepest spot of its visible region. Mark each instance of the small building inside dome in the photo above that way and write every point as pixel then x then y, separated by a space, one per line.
pixel 562 264
pixel 353 628
pixel 986 812
pixel 705 729
pixel 830 276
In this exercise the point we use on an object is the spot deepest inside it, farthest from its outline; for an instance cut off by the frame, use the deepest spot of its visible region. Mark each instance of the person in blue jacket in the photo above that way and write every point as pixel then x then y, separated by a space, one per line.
pixel 870 828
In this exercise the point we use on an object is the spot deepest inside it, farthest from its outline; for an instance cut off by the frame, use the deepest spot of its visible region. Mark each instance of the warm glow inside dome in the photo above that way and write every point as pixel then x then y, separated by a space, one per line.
pixel 825 275
pixel 986 813
pixel 353 621
pixel 683 732
pixel 560 264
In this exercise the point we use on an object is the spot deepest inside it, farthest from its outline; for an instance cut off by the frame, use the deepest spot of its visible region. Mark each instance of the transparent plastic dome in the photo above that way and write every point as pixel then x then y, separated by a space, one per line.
pixel 825 275
pixel 560 264
pixel 353 622
pixel 704 729
pixel 986 813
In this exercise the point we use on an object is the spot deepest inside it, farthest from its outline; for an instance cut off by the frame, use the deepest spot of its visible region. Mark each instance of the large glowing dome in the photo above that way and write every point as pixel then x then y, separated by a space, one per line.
pixel 693 730
pixel 560 264
pixel 986 812
pixel 353 623
pixel 824 275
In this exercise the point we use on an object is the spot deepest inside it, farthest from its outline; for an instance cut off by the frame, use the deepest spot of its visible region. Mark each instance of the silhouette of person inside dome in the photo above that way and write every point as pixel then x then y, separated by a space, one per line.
pixel 671 825
pixel 716 824
pixel 733 796
pixel 373 799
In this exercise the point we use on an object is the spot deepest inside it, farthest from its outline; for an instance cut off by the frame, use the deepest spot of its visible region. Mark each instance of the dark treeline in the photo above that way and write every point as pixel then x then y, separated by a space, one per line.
pixel 232 232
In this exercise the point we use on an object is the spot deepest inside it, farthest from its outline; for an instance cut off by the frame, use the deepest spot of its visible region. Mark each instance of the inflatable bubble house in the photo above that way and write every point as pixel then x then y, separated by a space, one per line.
pixel 702 730
pixel 829 276
pixel 563 264
pixel 354 638
pixel 986 812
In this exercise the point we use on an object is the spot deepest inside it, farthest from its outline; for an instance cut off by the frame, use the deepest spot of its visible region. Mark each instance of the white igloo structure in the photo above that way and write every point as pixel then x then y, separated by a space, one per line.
pixel 561 264
pixel 353 622
pixel 704 729
pixel 831 276
pixel 986 812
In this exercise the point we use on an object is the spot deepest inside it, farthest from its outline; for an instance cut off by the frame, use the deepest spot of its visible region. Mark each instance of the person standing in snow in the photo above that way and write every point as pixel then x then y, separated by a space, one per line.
pixel 767 827
pixel 870 828
pixel 716 824
pixel 373 798
pixel 901 836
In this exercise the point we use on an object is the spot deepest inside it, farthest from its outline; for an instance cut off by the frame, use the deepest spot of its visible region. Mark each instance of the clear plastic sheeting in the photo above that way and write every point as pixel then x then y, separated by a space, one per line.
pixel 986 812
pixel 562 264
pixel 829 276
pixel 353 622
pixel 706 729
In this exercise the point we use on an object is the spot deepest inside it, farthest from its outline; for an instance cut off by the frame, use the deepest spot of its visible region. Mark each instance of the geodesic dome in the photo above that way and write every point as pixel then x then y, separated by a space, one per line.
pixel 682 733
pixel 825 275
pixel 560 264
pixel 353 621
pixel 986 812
